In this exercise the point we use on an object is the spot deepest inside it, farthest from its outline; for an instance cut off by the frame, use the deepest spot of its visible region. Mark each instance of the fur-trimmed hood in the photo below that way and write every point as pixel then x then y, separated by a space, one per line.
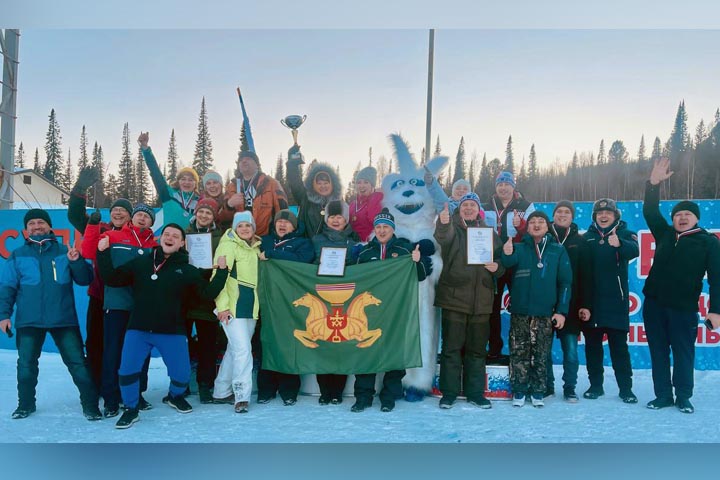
pixel 314 169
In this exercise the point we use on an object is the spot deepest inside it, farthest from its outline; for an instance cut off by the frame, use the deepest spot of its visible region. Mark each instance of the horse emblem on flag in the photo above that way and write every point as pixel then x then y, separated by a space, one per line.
pixel 336 325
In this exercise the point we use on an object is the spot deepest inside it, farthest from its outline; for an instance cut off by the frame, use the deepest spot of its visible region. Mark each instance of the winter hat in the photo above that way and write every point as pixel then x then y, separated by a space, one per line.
pixel 538 213
pixel 249 154
pixel 566 204
pixel 505 177
pixel 241 217
pixel 369 174
pixel 462 181
pixel 123 203
pixel 337 207
pixel 691 207
pixel 473 197
pixel 211 175
pixel 35 213
pixel 208 204
pixel 605 204
pixel 173 225
pixel 322 175
pixel 286 215
pixel 189 170
pixel 141 207
pixel 384 217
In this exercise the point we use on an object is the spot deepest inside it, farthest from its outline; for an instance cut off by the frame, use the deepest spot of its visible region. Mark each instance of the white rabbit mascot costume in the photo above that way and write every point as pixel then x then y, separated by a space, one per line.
pixel 410 202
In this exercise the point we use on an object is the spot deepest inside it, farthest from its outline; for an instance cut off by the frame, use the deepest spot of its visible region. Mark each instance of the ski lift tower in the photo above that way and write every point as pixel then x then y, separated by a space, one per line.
pixel 9 40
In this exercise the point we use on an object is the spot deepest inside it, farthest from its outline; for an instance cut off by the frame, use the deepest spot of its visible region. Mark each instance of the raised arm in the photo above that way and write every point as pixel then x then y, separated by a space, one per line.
pixel 294 177
pixel 161 186
pixel 77 203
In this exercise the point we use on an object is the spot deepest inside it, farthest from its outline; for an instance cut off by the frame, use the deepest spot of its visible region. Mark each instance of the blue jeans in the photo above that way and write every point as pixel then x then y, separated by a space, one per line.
pixel 569 344
pixel 29 344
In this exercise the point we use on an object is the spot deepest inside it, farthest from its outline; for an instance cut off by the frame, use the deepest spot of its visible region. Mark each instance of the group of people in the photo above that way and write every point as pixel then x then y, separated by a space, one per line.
pixel 144 294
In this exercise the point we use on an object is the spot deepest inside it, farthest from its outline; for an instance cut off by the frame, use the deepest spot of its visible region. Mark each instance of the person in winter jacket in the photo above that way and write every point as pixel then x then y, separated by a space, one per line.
pixel 160 280
pixel 383 246
pixel 120 214
pixel 212 187
pixel 540 300
pixel 506 212
pixel 684 252
pixel 565 232
pixel 238 307
pixel 179 199
pixel 285 243
pixel 256 192
pixel 320 187
pixel 37 281
pixel 200 310
pixel 611 247
pixel 465 294
pixel 337 233
pixel 367 203
pixel 134 239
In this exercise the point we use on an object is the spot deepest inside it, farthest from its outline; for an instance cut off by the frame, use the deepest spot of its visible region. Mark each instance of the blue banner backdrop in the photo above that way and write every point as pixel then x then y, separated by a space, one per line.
pixel 707 355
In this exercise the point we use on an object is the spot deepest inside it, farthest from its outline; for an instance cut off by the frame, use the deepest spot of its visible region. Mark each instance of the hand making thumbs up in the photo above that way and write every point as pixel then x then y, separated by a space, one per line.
pixel 445 215
pixel 416 253
pixel 508 247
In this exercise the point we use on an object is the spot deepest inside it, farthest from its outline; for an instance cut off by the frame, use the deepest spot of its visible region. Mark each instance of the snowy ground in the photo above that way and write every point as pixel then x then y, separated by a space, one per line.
pixel 59 417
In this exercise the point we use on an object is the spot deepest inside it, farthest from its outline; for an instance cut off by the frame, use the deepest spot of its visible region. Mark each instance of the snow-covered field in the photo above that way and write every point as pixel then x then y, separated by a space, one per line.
pixel 59 417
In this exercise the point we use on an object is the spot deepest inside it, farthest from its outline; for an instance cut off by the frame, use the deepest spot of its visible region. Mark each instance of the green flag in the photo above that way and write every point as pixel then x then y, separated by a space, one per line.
pixel 364 322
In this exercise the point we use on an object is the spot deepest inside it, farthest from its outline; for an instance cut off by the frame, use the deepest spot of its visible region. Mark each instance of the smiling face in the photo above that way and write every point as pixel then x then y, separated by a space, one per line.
pixel 469 210
pixel 337 222
pixel 171 240
pixel 187 182
pixel 142 220
pixel 409 195
pixel 363 187
pixel 562 217
pixel 504 191
pixel 383 233
pixel 204 217
pixel 604 218
pixel 37 226
pixel 245 231
pixel 684 220
pixel 119 216
pixel 283 227
pixel 213 188
pixel 537 227
pixel 460 191
pixel 322 186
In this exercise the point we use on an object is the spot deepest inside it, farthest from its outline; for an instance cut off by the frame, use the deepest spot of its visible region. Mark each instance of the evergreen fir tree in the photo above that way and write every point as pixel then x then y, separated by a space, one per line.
pixel 36 165
pixel 96 193
pixel 657 149
pixel 172 158
pixel 679 137
pixel 125 180
pixel 83 160
pixel 202 159
pixel 280 170
pixel 142 193
pixel 68 178
pixel 601 153
pixel 509 157
pixel 618 152
pixel 20 157
pixel 53 150
pixel 575 164
pixel 533 171
pixel 459 162
pixel 112 187
pixel 522 177
pixel 641 151
pixel 370 157
pixel 438 150
pixel 472 176
pixel 700 133
pixel 484 187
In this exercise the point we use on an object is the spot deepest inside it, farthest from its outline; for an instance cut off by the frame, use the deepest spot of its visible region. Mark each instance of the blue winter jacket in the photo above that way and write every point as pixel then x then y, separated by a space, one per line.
pixel 38 279
pixel 293 247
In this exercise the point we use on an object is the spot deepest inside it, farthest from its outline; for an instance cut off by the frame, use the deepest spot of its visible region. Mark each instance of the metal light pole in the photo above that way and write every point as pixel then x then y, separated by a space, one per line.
pixel 428 120
pixel 9 40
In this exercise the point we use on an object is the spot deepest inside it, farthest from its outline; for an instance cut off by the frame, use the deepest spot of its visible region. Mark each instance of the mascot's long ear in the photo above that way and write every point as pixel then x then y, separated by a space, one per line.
pixel 436 164
pixel 406 162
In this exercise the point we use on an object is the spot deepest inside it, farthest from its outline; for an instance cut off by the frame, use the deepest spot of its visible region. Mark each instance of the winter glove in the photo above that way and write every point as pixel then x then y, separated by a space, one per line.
pixel 427 247
pixel 87 177
pixel 94 218
pixel 294 154
pixel 428 178
pixel 355 252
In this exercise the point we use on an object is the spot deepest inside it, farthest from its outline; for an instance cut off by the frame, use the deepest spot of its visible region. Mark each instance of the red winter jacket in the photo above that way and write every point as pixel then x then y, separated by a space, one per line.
pixel 362 214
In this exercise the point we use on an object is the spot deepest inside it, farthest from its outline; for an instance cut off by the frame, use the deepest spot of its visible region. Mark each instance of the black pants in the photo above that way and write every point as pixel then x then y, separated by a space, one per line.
pixel 392 387
pixel 496 342
pixel 331 385
pixel 270 383
pixel 463 353
pixel 207 349
pixel 619 356
pixel 669 329
pixel 94 338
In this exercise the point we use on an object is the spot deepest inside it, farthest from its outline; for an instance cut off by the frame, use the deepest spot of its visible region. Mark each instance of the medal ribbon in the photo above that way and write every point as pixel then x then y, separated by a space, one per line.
pixel 539 252
pixel 678 236
pixel 157 268
pixel 557 236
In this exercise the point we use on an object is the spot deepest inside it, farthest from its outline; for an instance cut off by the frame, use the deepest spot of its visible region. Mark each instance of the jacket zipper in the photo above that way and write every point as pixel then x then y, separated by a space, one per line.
pixel 620 285
pixel 54 270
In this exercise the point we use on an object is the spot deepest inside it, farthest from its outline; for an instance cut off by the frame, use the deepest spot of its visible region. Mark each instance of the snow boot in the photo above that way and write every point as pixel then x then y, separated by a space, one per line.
pixel 480 402
pixel 92 413
pixel 659 403
pixel 537 400
pixel 23 412
pixel 129 416
pixel 447 402
pixel 684 405
pixel 593 393
pixel 628 396
pixel 518 400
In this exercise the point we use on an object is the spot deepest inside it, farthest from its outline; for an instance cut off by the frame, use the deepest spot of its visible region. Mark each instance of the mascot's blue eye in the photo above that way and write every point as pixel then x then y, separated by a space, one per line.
pixel 397 183
pixel 417 182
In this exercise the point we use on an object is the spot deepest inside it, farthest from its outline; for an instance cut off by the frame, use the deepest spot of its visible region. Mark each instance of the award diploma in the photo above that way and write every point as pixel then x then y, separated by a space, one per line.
pixel 479 246
pixel 332 262
pixel 199 246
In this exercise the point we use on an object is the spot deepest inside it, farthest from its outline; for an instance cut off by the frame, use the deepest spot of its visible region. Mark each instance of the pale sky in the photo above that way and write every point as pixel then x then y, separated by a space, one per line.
pixel 563 90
